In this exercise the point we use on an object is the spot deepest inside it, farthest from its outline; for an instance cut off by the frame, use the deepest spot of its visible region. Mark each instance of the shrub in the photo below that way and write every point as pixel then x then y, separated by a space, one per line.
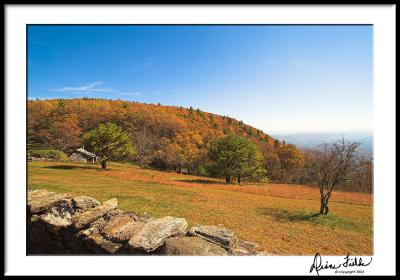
pixel 201 171
pixel 260 175
pixel 49 154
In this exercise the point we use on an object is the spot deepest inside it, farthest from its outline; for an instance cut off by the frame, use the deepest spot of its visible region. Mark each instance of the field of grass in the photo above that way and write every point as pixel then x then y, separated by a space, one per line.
pixel 280 218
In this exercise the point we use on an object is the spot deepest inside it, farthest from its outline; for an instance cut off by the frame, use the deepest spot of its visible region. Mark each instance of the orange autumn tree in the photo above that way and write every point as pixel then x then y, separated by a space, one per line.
pixel 292 162
pixel 64 134
pixel 166 137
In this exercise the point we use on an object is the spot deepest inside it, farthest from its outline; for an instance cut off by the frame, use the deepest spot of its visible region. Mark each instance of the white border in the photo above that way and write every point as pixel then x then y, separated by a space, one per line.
pixel 383 19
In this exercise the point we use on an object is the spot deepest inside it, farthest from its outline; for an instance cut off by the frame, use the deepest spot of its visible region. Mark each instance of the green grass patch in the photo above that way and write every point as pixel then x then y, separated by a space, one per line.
pixel 305 215
pixel 280 225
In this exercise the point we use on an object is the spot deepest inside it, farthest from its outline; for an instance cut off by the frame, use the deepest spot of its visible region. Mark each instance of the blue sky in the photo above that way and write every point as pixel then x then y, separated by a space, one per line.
pixel 281 79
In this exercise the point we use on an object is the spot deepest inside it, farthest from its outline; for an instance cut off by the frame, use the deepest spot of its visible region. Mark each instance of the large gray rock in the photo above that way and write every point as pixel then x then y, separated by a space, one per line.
pixel 84 203
pixel 191 246
pixel 85 218
pixel 219 235
pixel 121 228
pixel 145 218
pixel 99 244
pixel 153 234
pixel 244 248
pixel 59 216
pixel 94 228
pixel 40 202
pixel 97 226
pixel 264 253
pixel 32 194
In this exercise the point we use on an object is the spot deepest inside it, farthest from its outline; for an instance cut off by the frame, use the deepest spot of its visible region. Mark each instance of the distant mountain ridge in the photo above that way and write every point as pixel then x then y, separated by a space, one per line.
pixel 313 140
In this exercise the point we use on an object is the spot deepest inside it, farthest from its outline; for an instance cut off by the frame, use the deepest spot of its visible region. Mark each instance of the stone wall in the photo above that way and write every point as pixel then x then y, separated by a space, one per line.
pixel 64 225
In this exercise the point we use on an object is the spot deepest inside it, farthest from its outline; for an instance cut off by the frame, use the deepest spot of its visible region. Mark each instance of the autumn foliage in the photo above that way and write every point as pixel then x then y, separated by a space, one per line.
pixel 174 139
pixel 166 137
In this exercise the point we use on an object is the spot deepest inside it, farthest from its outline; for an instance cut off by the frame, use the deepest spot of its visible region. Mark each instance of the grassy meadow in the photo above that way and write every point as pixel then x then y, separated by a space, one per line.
pixel 280 218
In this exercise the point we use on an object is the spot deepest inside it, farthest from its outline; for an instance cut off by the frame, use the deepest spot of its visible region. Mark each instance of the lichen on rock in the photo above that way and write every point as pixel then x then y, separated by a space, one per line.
pixel 153 234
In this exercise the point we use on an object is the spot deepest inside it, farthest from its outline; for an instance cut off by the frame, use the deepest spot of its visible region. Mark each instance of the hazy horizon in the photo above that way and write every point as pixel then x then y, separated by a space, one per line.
pixel 281 79
pixel 272 133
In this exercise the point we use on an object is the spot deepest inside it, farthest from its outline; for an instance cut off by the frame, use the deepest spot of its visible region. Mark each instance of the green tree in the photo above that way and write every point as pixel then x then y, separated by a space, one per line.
pixel 201 171
pixel 234 156
pixel 108 141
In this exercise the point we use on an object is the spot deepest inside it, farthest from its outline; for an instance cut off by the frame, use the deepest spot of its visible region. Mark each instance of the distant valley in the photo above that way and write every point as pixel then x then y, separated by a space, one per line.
pixel 313 140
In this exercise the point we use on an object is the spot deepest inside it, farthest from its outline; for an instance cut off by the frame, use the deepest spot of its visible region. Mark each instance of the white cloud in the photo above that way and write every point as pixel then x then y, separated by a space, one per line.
pixel 89 88
pixel 94 87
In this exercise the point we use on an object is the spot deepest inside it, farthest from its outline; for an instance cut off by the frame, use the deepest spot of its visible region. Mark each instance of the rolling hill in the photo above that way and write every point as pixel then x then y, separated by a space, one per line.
pixel 164 136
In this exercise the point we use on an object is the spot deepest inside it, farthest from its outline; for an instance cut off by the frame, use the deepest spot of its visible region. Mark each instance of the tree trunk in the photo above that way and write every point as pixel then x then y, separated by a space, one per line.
pixel 321 208
pixel 239 179
pixel 227 179
pixel 324 209
pixel 104 164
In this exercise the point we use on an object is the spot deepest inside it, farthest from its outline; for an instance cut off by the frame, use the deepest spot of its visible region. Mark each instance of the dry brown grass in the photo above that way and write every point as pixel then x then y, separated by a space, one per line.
pixel 279 217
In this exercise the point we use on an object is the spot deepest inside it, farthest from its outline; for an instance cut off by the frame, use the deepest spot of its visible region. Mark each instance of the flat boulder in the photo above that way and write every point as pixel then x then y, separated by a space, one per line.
pixel 84 203
pixel 38 193
pixel 44 201
pixel 97 226
pixel 121 228
pixel 99 244
pixel 219 235
pixel 153 234
pixel 85 218
pixel 59 216
pixel 244 248
pixel 191 246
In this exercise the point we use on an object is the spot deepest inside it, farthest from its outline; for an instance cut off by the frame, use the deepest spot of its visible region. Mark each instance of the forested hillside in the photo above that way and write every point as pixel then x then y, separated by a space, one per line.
pixel 166 137
pixel 176 139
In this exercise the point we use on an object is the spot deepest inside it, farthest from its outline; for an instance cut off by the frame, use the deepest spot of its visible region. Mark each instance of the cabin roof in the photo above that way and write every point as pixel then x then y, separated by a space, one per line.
pixel 86 153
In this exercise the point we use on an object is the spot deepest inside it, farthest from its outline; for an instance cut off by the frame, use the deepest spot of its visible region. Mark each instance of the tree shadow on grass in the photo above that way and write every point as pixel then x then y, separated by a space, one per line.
pixel 201 181
pixel 284 215
pixel 71 167
pixel 303 215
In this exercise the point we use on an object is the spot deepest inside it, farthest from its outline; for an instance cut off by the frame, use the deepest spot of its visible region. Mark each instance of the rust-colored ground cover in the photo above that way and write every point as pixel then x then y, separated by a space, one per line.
pixel 280 218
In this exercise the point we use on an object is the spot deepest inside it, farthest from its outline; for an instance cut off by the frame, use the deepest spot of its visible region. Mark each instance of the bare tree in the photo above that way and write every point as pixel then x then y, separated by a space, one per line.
pixel 144 142
pixel 361 177
pixel 333 163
